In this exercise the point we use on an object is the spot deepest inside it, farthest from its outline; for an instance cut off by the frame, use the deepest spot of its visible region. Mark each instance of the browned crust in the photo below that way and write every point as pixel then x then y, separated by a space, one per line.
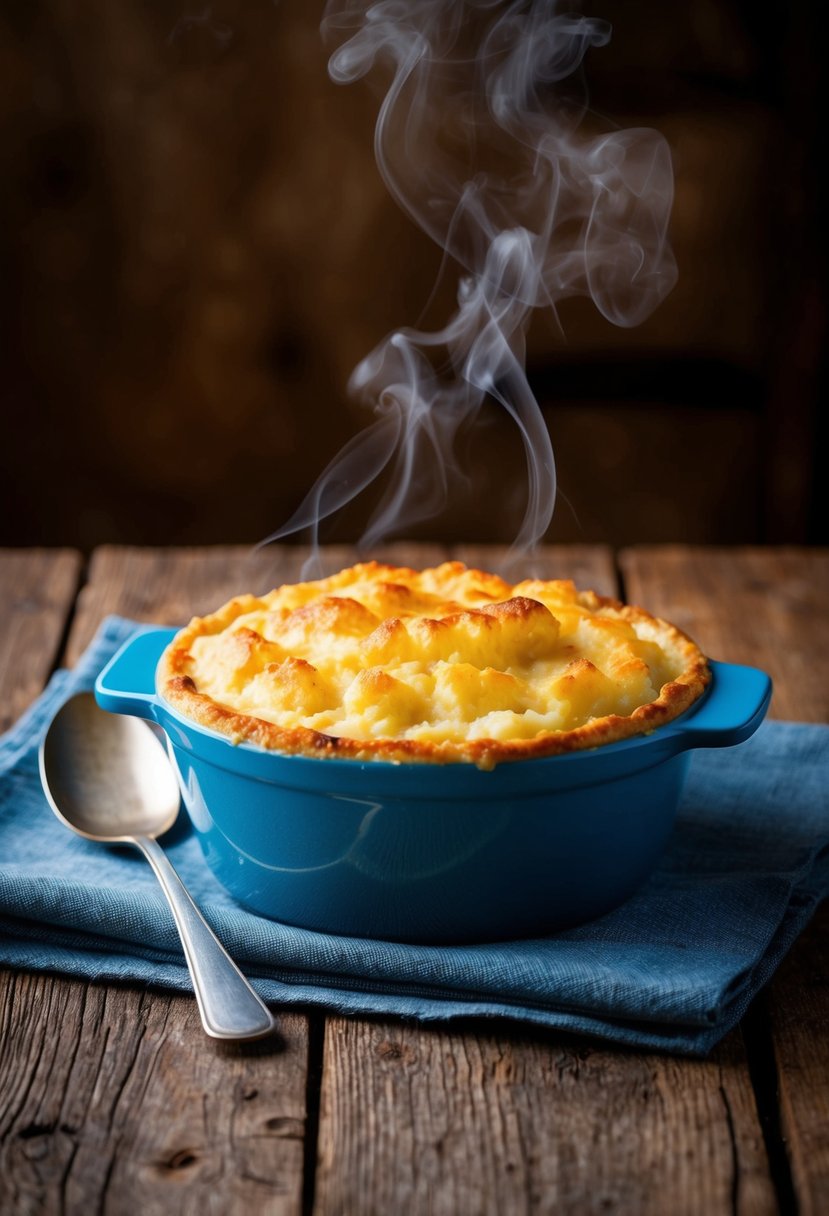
pixel 179 690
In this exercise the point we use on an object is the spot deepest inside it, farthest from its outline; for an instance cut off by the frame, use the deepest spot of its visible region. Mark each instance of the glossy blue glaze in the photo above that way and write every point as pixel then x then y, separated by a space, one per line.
pixel 433 853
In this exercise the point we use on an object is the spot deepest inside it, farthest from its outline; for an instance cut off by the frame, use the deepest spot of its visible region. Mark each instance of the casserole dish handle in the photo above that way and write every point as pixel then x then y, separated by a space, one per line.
pixel 733 708
pixel 127 683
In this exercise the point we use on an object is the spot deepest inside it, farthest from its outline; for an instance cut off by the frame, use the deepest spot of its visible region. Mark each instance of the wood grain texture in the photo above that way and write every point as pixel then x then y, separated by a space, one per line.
pixel 799 1008
pixel 768 608
pixel 37 588
pixel 441 1122
pixel 113 1100
pixel 416 1120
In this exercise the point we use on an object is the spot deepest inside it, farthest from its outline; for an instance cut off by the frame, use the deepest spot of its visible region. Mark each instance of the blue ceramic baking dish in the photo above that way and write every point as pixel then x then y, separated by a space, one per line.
pixel 433 853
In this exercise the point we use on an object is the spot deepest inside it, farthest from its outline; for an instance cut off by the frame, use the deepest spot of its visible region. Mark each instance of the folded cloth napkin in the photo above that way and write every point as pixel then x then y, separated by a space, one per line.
pixel 673 968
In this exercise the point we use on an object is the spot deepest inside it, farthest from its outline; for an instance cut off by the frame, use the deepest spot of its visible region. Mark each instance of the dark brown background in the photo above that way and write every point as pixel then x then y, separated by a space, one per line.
pixel 196 248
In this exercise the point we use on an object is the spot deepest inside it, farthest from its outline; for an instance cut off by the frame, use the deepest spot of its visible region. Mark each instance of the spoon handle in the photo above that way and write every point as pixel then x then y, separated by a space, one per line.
pixel 229 1007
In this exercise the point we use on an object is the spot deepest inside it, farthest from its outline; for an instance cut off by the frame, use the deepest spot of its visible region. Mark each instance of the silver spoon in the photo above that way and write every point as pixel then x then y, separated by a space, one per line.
pixel 108 778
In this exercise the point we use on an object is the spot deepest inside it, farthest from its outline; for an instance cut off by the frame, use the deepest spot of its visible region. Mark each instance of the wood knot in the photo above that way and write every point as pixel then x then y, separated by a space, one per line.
pixel 181 1160
pixel 389 1050
pixel 35 1129
pixel 285 1127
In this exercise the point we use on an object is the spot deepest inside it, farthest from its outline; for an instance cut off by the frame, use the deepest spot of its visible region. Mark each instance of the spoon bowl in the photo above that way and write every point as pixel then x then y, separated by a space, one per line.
pixel 108 778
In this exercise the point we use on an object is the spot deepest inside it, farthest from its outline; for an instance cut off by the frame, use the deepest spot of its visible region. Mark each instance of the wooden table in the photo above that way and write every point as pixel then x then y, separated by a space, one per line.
pixel 112 1100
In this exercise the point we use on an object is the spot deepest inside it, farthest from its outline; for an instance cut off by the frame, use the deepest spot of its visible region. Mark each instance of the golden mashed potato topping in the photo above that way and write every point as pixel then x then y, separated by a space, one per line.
pixel 449 664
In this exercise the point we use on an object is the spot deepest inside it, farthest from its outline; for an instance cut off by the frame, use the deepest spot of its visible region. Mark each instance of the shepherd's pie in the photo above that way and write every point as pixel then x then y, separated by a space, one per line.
pixel 449 664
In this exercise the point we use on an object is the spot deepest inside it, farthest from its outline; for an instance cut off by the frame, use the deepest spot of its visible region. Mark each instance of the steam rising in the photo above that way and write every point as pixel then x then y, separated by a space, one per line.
pixel 478 143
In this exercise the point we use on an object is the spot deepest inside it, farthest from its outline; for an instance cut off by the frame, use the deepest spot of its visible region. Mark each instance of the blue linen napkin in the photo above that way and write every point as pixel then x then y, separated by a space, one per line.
pixel 674 968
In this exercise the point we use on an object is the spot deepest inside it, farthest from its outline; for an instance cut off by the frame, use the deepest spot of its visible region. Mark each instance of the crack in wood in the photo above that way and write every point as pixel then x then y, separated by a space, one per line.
pixel 314 1067
pixel 763 1073
pixel 735 1154
pixel 35 1129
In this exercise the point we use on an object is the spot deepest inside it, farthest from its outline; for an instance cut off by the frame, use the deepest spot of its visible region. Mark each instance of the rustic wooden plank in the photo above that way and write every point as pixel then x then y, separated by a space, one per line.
pixel 424 1120
pixel 37 589
pixel 799 1012
pixel 440 1122
pixel 768 607
pixel 113 1099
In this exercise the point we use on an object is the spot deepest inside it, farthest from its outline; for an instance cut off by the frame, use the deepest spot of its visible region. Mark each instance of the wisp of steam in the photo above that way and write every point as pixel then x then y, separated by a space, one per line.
pixel 478 141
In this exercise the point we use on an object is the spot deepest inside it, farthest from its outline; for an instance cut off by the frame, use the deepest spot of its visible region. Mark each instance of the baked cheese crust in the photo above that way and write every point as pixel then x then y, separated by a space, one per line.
pixel 450 664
